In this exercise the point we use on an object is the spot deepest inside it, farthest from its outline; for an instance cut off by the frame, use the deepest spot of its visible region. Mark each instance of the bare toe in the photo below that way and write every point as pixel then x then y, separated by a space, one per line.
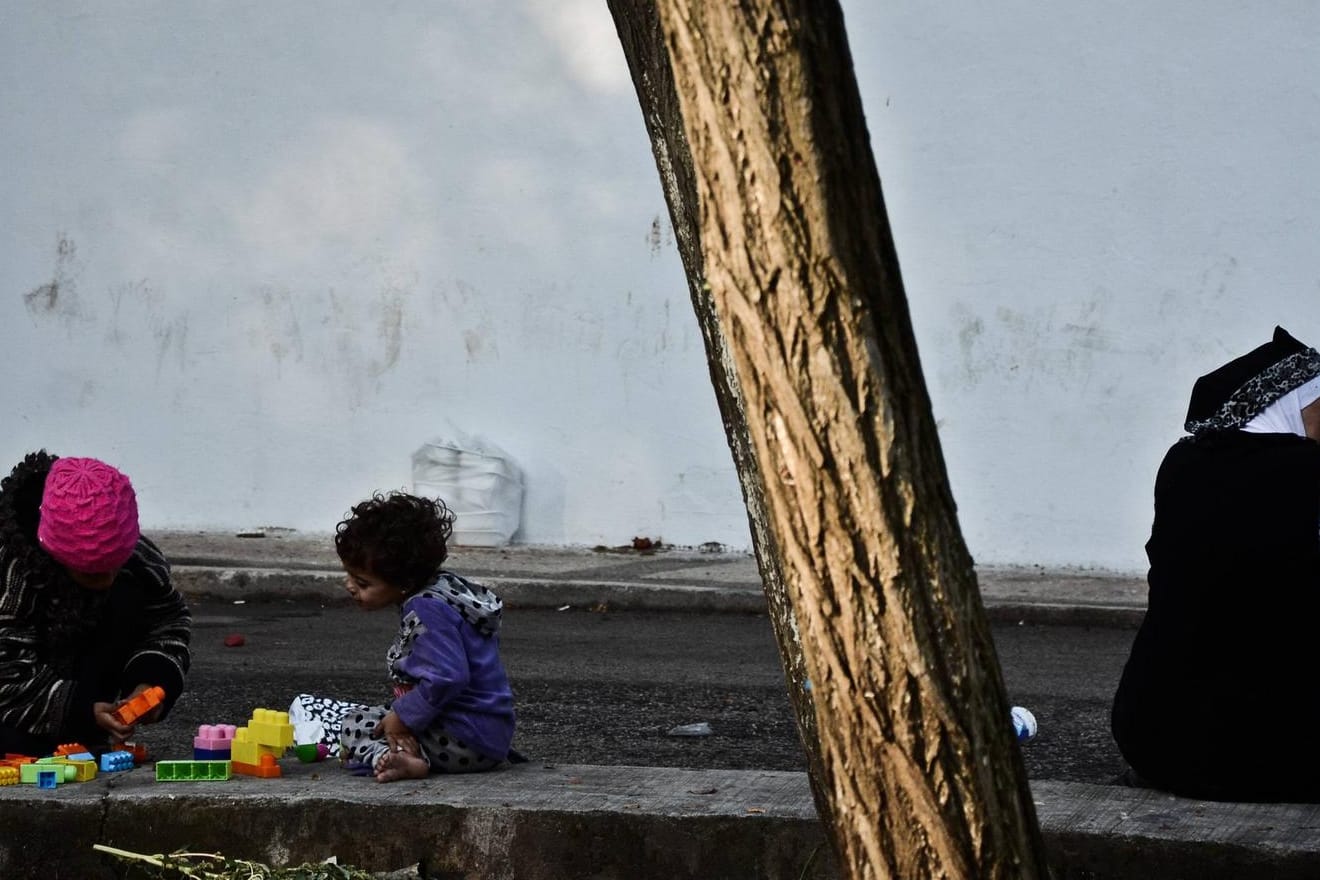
pixel 400 765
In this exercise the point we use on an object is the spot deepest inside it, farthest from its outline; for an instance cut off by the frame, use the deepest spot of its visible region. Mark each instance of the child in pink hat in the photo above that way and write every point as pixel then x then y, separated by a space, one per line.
pixel 88 614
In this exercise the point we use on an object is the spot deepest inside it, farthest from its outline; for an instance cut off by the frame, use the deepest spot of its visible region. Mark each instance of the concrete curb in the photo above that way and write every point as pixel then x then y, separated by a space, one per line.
pixel 323 587
pixel 531 822
pixel 537 822
pixel 1097 832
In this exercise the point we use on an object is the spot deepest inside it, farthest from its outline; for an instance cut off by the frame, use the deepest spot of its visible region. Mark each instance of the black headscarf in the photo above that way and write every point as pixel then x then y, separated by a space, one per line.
pixel 1229 397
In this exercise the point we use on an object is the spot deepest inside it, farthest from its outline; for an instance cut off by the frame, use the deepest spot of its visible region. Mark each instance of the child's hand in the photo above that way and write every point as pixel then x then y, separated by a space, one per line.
pixel 104 716
pixel 397 734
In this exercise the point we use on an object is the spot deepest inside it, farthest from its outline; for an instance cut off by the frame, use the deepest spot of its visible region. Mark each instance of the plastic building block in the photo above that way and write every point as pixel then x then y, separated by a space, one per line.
pixel 47 779
pixel 192 771
pixel 214 737
pixel 112 762
pixel 247 750
pixel 84 771
pixel 13 759
pixel 267 768
pixel 214 742
pixel 135 707
pixel 9 776
pixel 31 773
pixel 267 735
pixel 271 728
pixel 137 750
pixel 70 749
pixel 79 756
pixel 212 754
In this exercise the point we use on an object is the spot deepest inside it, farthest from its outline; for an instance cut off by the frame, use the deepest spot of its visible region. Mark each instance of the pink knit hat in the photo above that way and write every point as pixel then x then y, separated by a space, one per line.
pixel 89 517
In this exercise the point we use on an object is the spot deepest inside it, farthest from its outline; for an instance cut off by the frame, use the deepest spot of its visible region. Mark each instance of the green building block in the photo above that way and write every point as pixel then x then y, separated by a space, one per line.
pixel 63 772
pixel 192 771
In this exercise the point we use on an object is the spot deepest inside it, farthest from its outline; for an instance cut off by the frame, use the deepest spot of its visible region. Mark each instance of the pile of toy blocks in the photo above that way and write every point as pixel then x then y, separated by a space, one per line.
pixel 74 762
pixel 71 762
pixel 258 747
pixel 219 752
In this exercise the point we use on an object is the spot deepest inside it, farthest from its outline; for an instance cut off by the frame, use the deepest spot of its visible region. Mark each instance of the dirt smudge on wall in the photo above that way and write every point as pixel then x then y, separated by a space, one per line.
pixel 58 297
pixel 389 329
pixel 283 329
pixel 1058 344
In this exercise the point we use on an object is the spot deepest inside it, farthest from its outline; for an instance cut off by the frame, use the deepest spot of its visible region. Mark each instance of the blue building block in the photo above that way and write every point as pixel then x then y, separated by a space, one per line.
pixel 47 779
pixel 211 754
pixel 112 761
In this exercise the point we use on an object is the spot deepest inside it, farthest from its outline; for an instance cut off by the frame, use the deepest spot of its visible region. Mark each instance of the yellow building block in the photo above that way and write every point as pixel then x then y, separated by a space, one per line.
pixel 271 728
pixel 246 750
pixel 8 776
pixel 85 770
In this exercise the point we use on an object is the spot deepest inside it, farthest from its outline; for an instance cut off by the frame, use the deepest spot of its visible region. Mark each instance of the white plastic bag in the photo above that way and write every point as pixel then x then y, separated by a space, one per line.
pixel 479 482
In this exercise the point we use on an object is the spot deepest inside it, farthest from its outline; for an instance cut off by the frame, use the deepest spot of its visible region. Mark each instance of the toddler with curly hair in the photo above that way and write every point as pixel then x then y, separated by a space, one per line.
pixel 453 708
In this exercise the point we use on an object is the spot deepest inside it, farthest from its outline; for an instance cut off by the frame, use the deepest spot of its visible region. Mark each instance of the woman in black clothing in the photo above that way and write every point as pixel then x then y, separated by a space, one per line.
pixel 1219 697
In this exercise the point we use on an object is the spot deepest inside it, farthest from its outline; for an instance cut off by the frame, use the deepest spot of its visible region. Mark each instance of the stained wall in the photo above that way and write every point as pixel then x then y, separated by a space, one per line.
pixel 256 254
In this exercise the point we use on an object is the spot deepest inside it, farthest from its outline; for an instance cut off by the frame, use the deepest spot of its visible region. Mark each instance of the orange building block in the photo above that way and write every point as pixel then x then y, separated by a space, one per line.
pixel 135 707
pixel 267 769
pixel 70 749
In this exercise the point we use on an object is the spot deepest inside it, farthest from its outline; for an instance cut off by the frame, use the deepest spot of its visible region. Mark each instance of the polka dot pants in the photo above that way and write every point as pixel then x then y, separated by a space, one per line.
pixel 444 753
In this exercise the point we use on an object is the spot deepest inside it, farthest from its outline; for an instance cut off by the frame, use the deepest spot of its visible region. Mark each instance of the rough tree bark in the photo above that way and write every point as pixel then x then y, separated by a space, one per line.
pixel 638 25
pixel 797 286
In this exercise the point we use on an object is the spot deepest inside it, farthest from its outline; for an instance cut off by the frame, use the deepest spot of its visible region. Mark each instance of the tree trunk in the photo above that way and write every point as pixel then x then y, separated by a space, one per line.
pixel 844 469
pixel 638 25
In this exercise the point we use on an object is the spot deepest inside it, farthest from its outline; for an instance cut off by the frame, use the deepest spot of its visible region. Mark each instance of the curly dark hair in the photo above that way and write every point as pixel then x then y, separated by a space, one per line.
pixel 400 538
pixel 20 510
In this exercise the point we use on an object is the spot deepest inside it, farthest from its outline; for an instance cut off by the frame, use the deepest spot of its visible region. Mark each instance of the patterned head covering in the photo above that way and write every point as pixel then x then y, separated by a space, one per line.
pixel 89 516
pixel 1236 393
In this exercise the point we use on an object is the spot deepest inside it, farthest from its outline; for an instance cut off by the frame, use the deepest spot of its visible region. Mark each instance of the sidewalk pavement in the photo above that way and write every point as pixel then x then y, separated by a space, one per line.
pixel 537 821
pixel 300 566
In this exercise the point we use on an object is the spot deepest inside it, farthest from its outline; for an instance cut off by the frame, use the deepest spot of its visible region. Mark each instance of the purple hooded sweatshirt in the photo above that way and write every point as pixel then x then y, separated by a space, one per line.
pixel 445 665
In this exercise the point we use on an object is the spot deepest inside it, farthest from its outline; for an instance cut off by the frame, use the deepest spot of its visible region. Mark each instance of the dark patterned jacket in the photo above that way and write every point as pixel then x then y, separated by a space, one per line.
pixel 63 647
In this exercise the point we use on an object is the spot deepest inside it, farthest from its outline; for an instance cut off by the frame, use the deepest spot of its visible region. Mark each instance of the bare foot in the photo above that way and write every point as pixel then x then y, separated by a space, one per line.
pixel 401 765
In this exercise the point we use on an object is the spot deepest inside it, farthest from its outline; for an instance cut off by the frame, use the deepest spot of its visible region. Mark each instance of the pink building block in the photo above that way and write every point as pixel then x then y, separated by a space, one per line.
pixel 215 737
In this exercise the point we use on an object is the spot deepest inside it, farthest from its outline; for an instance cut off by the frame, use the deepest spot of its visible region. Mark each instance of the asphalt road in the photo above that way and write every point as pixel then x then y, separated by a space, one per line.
pixel 605 688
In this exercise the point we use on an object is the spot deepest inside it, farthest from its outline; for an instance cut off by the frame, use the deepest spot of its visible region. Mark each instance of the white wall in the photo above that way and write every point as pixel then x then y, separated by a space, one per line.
pixel 255 254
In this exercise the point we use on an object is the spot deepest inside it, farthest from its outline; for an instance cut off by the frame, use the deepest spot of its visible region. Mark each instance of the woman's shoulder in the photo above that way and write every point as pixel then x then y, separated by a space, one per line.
pixel 1216 466
pixel 1241 445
